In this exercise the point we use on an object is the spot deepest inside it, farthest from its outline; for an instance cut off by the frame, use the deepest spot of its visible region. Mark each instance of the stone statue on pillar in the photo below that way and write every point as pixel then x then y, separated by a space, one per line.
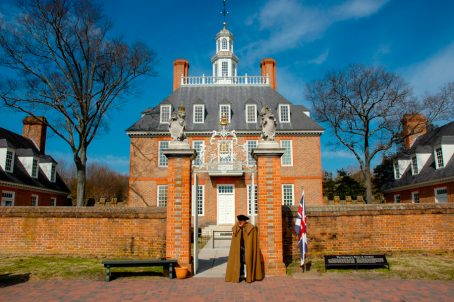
pixel 268 124
pixel 177 125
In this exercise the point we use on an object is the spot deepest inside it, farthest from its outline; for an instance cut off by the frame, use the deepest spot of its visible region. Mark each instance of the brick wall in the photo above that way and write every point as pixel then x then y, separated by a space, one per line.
pixel 373 228
pixel 122 232
pixel 426 194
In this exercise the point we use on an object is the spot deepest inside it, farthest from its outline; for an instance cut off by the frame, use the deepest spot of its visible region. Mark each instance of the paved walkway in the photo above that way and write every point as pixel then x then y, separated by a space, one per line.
pixel 213 261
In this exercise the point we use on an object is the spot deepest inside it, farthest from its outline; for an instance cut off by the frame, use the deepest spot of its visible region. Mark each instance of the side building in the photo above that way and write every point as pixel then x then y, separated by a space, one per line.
pixel 223 125
pixel 28 177
pixel 424 171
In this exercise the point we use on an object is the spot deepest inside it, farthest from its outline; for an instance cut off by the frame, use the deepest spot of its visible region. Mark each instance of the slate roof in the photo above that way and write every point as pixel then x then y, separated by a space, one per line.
pixel 426 144
pixel 237 97
pixel 25 147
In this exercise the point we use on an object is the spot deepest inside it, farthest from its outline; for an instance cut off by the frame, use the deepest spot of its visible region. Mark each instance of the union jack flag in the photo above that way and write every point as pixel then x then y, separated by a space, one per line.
pixel 301 229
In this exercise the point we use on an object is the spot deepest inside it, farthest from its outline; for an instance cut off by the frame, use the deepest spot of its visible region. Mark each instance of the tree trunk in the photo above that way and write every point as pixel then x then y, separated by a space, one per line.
pixel 81 166
pixel 368 183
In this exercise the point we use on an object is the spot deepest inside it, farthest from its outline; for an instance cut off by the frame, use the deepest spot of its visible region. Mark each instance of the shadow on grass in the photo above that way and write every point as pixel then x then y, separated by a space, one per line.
pixel 13 279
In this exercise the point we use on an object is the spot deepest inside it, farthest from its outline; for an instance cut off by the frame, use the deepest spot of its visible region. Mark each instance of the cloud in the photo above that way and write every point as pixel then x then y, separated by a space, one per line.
pixel 429 75
pixel 290 86
pixel 337 154
pixel 320 58
pixel 288 23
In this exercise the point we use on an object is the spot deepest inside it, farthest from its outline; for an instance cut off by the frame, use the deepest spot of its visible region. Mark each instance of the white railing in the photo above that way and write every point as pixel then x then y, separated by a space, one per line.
pixel 239 80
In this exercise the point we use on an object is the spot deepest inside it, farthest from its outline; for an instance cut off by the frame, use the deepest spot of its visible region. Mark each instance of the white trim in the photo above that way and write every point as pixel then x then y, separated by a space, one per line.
pixel 203 200
pixel 249 201
pixel 229 143
pixel 13 152
pixel 229 111
pixel 420 184
pixel 436 157
pixel 161 113
pixel 280 113
pixel 31 188
pixel 158 191
pixel 12 199
pixel 436 195
pixel 395 198
pixel 249 152
pixel 159 155
pixel 194 113
pixel 291 153
pixel 413 199
pixel 415 158
pixel 293 194
pixel 238 133
pixel 37 200
pixel 201 154
pixel 53 201
pixel 217 202
pixel 254 106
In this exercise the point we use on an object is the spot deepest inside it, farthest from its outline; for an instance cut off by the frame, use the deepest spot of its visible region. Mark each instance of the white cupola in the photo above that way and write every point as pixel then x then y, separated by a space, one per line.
pixel 224 61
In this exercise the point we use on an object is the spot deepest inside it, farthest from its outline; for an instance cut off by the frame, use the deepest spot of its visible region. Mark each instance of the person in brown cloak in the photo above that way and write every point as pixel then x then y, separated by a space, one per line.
pixel 244 250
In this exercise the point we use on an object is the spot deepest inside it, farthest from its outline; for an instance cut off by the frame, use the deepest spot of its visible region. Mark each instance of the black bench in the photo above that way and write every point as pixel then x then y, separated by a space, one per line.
pixel 355 261
pixel 165 263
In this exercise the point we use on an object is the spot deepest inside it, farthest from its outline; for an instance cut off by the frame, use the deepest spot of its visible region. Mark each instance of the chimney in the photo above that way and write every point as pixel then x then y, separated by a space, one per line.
pixel 268 67
pixel 180 68
pixel 414 125
pixel 35 128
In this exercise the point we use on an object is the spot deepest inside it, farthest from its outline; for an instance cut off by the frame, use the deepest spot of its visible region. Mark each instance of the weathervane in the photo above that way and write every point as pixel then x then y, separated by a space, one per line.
pixel 224 12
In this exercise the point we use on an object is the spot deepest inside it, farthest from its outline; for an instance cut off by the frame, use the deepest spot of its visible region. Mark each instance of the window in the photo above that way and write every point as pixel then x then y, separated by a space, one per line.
pixel 225 151
pixel 163 145
pixel 439 158
pixel 199 114
pixel 414 165
pixel 225 69
pixel 9 161
pixel 287 158
pixel 284 113
pixel 53 173
pixel 249 200
pixel 251 113
pixel 396 169
pixel 397 198
pixel 8 198
pixel 250 146
pixel 441 195
pixel 287 195
pixel 224 43
pixel 198 146
pixel 34 201
pixel 165 113
pixel 53 201
pixel 35 168
pixel 224 110
pixel 162 196
pixel 200 200
pixel 216 70
pixel 415 197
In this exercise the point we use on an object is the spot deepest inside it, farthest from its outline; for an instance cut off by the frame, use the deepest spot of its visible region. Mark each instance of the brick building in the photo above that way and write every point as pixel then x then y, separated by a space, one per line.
pixel 424 171
pixel 28 176
pixel 225 168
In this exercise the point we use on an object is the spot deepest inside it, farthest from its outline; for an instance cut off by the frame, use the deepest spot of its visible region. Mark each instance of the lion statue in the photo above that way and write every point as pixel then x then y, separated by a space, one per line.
pixel 268 124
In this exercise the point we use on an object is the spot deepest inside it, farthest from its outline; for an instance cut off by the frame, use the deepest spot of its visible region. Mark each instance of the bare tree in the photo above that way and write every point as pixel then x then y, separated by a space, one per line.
pixel 66 65
pixel 440 106
pixel 363 107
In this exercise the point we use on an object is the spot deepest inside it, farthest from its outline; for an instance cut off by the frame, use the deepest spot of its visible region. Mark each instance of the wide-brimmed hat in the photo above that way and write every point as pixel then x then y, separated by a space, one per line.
pixel 242 217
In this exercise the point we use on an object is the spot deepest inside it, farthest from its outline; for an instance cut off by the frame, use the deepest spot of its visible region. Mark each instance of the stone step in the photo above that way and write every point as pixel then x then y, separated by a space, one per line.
pixel 208 230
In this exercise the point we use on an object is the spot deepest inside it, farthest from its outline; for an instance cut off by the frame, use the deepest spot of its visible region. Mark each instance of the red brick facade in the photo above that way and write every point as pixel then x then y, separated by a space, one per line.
pixel 23 197
pixel 426 193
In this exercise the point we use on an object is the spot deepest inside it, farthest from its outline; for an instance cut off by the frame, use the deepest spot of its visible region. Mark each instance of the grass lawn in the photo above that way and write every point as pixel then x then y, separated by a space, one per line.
pixel 402 266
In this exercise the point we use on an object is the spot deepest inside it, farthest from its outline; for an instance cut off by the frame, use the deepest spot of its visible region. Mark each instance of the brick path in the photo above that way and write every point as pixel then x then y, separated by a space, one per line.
pixel 274 289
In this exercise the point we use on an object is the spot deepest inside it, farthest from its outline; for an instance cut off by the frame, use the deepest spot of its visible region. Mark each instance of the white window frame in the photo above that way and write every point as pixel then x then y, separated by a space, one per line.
pixel 53 201
pixel 200 155
pixel 53 172
pixel 161 114
pixel 414 165
pixel 225 68
pixel 397 198
pixel 437 162
pixel 254 108
pixel 11 168
pixel 396 169
pixel 36 201
pixel 291 153
pixel 201 204
pixel 249 159
pixel 292 186
pixel 12 199
pixel 281 120
pixel 161 161
pixel 249 200
pixel 413 198
pixel 158 195
pixel 436 194
pixel 224 44
pixel 194 113
pixel 228 111
pixel 35 160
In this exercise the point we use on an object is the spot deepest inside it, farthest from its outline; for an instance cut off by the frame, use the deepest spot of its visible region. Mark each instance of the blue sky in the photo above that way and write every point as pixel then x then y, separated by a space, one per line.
pixel 414 38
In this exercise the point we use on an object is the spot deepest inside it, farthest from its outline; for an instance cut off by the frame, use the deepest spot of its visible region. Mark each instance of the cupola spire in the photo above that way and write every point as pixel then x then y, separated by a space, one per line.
pixel 224 12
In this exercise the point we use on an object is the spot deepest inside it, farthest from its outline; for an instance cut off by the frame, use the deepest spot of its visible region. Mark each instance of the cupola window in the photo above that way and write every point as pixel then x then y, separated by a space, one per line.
pixel 224 44
pixel 225 69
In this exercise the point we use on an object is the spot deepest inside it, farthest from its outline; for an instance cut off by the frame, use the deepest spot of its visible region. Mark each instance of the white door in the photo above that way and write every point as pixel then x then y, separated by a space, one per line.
pixel 226 204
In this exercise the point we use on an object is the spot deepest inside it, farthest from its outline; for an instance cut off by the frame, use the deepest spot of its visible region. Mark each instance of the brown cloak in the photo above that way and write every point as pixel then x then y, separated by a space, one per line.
pixel 254 267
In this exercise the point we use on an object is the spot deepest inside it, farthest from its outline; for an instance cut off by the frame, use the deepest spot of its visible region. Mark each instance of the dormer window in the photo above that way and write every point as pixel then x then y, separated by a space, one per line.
pixel 414 165
pixel 165 113
pixel 53 173
pixel 439 158
pixel 284 113
pixel 397 174
pixel 9 163
pixel 224 110
pixel 251 113
pixel 49 169
pixel 199 114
